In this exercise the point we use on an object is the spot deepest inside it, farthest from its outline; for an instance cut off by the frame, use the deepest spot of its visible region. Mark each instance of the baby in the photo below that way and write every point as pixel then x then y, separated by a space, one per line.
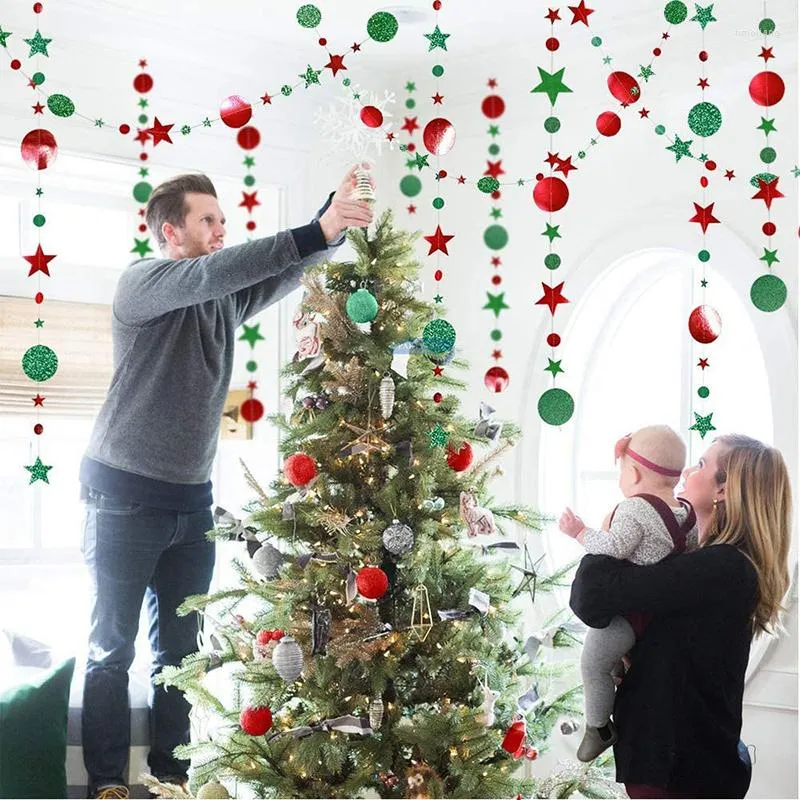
pixel 646 527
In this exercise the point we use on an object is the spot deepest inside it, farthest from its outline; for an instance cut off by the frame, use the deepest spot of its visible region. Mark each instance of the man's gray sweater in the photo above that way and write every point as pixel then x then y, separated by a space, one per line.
pixel 174 331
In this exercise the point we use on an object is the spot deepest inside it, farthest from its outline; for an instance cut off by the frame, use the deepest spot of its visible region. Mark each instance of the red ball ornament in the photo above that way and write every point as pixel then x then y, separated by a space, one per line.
pixel 496 379
pixel 372 583
pixel 437 398
pixel 552 44
pixel 608 123
pixel 703 55
pixel 705 324
pixel 624 87
pixel 38 429
pixel 439 136
pixel 255 720
pixel 39 298
pixel 514 737
pixel 15 63
pixel 235 111
pixel 39 149
pixel 371 116
pixel 248 138
pixel 299 469
pixel 554 340
pixel 438 275
pixel 459 460
pixel 769 228
pixel 264 637
pixel 124 129
pixel 550 194
pixel 143 83
pixel 252 410
pixel 767 88
pixel 493 106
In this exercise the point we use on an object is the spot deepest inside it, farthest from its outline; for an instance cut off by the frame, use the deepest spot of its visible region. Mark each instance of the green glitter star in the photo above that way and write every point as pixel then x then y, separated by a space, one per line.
pixel 411 86
pixel 143 103
pixel 142 246
pixel 769 257
pixel 98 123
pixel 496 213
pixel 144 172
pixel 521 182
pixel 702 424
pixel 496 302
pixel 607 60
pixel 3 36
pixel 420 161
pixel 551 85
pixel 494 130
pixel 438 299
pixel 310 76
pixel 39 192
pixel 356 95
pixel 703 15
pixel 634 90
pixel 438 436
pixel 186 129
pixel 38 471
pixel 767 125
pixel 39 323
pixel 796 171
pixel 437 177
pixel 592 142
pixel 410 163
pixel 251 334
pixel 249 161
pixel 552 232
pixel 704 283
pixel 645 72
pixel 680 148
pixel 553 366
pixel 206 123
pixel 437 39
pixel 38 45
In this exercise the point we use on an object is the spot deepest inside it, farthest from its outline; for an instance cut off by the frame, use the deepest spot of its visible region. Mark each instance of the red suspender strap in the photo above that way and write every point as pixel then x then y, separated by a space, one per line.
pixel 676 531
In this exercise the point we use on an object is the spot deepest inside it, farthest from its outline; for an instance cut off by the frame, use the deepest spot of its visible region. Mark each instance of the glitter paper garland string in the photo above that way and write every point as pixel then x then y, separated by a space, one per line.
pixel 142 189
pixel 410 184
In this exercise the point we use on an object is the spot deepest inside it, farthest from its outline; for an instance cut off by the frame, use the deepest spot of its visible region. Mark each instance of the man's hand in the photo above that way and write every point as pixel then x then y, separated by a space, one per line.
pixel 571 524
pixel 343 212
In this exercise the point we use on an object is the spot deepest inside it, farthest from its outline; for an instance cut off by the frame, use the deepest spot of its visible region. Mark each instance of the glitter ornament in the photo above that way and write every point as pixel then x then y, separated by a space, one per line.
pixel 386 395
pixel 212 790
pixel 248 138
pixel 552 124
pixel 142 192
pixel 361 306
pixel 439 136
pixel 382 27
pixel 766 26
pixel 496 379
pixel 255 720
pixel 556 406
pixel 767 88
pixel 495 237
pixel 608 123
pixel 60 105
pixel 705 119
pixel 287 659
pixel 39 149
pixel 768 293
pixel 267 561
pixel 375 713
pixel 300 469
pixel 235 112
pixel 459 460
pixel 251 410
pixel 487 184
pixel 493 106
pixel 438 336
pixel 143 83
pixel 372 583
pixel 371 116
pixel 765 177
pixel 410 185
pixel 398 539
pixel 39 363
pixel 550 194
pixel 675 12
pixel 623 87
pixel 309 16
pixel 705 324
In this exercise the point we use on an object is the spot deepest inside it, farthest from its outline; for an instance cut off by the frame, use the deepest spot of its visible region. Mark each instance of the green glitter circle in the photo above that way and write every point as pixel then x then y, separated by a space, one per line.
pixel 768 292
pixel 286 90
pixel 142 192
pixel 438 71
pixel 581 154
pixel 660 130
pixel 488 184
pixel 309 16
pixel 704 256
pixel 439 336
pixel 705 119
pixel 552 124
pixel 382 26
pixel 251 366
pixel 495 237
pixel 143 119
pixel 438 202
pixel 768 155
pixel 597 41
pixel 496 335
pixel 767 26
pixel 362 306
pixel 552 261
pixel 767 177
pixel 703 392
pixel 410 185
pixel 675 12
pixel 494 149
pixel 60 105
pixel 249 180
pixel 38 78
pixel 39 363
pixel 556 406
pixel 39 220
pixel 346 82
pixel 411 102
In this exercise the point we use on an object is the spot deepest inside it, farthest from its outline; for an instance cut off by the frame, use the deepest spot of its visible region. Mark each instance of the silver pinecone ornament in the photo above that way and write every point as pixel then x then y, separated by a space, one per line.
pixel 386 394
pixel 376 713
pixel 287 658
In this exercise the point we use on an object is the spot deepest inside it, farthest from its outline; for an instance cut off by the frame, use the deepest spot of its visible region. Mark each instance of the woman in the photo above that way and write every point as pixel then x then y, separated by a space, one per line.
pixel 679 708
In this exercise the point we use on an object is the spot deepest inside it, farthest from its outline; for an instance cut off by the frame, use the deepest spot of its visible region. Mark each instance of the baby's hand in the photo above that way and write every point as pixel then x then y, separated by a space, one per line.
pixel 606 526
pixel 571 524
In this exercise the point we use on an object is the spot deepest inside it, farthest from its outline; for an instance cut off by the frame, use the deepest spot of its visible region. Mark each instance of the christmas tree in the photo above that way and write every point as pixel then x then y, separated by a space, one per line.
pixel 369 645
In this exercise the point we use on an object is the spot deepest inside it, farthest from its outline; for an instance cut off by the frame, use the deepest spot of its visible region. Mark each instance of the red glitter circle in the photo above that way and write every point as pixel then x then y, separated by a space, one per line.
pixel 251 410
pixel 540 176
pixel 552 44
pixel 124 129
pixel 235 111
pixel 703 55
pixel 554 340
pixel 438 275
pixel 248 138
pixel 704 181
pixel 769 228
pixel 39 297
pixel 251 225
pixel 15 63
pixel 437 4
pixel 496 280
pixel 712 165
pixel 371 116
pixel 608 123
pixel 143 83
pixel 411 147
pixel 493 106
pixel 496 195
pixel 323 41
pixel 442 173
pixel 437 398
pixel 142 228
pixel 657 51
pixel 143 156
pixel 38 429
pixel 37 8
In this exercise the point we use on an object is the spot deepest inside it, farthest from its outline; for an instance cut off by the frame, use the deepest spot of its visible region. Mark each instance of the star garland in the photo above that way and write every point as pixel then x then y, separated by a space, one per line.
pixel 142 189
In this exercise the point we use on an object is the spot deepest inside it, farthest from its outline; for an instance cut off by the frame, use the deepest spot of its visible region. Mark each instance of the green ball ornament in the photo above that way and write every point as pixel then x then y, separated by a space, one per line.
pixel 309 16
pixel 552 124
pixel 410 185
pixel 705 119
pixel 495 237
pixel 675 12
pixel 556 406
pixel 142 192
pixel 768 293
pixel 39 363
pixel 361 306
pixel 382 27
pixel 488 185
pixel 60 105
pixel 439 336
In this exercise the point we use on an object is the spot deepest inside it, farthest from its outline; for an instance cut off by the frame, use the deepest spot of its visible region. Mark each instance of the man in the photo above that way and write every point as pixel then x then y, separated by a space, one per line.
pixel 146 471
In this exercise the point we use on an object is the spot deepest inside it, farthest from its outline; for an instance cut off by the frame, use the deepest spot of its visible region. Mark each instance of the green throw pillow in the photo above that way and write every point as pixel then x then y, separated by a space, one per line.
pixel 33 735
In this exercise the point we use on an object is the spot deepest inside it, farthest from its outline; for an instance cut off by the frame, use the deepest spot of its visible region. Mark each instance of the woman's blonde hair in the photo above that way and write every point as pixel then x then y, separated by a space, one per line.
pixel 755 517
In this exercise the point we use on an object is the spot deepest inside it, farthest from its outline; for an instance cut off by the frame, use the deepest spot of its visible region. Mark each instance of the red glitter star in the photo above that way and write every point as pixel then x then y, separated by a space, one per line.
pixel 552 14
pixel 703 363
pixel 552 297
pixel 729 174
pixel 496 262
pixel 249 201
pixel 160 133
pixel 142 136
pixel 580 13
pixel 565 165
pixel 437 371
pixel 356 47
pixel 643 112
pixel 438 241
pixel 252 385
pixel 410 125
pixel 492 82
pixel 495 168
pixel 335 64
pixel 437 99
pixel 38 400
pixel 552 159
pixel 767 191
pixel 142 63
pixel 39 261
pixel 38 108
pixel 462 179
pixel 412 209
pixel 497 354
pixel 704 216
pixel 266 98
pixel 390 136
pixel 766 54
pixel 703 83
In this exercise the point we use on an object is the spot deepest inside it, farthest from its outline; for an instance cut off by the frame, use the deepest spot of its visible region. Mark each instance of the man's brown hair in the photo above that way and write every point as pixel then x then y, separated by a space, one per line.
pixel 167 203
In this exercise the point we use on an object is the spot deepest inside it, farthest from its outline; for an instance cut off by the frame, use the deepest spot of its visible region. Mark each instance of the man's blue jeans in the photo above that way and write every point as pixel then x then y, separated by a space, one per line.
pixel 135 552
